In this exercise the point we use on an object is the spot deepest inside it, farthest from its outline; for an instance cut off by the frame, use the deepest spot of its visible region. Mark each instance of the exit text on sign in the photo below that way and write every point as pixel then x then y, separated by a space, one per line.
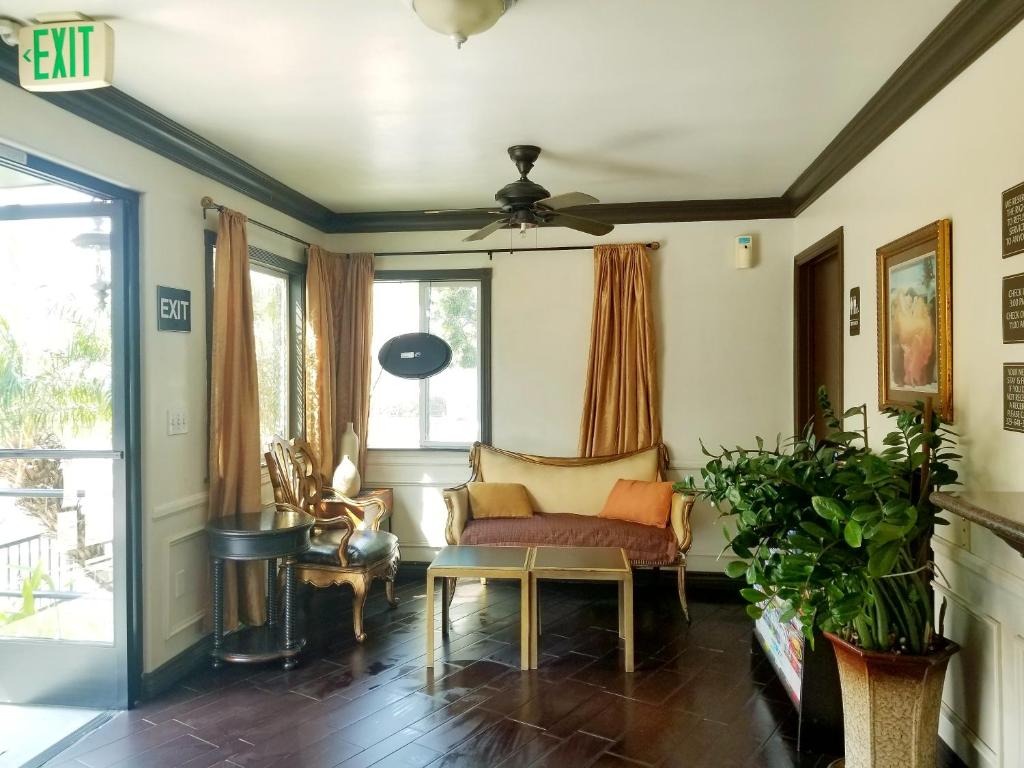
pixel 68 56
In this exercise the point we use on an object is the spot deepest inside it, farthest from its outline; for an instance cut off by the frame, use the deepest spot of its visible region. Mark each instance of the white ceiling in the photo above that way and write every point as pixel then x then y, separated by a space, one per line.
pixel 358 105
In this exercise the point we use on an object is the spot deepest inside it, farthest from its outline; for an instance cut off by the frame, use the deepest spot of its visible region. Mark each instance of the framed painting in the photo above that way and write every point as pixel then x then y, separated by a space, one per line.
pixel 915 320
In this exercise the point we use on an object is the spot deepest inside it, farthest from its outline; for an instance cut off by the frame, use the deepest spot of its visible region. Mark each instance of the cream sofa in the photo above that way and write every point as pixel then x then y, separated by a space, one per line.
pixel 567 494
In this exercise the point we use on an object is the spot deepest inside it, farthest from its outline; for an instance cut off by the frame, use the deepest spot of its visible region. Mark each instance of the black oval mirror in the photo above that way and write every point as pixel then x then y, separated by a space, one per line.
pixel 415 355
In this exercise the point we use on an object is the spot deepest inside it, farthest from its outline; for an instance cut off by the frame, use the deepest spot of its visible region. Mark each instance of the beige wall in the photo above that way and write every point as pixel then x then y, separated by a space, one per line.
pixel 173 365
pixel 725 338
pixel 953 159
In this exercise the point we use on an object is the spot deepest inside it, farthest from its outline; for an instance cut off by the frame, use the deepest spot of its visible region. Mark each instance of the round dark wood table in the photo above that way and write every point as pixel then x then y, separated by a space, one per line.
pixel 272 534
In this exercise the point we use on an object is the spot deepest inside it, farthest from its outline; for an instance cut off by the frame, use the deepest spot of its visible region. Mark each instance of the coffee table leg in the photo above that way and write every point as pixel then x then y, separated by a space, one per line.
pixel 627 592
pixel 444 607
pixel 430 620
pixel 524 621
pixel 534 623
pixel 622 613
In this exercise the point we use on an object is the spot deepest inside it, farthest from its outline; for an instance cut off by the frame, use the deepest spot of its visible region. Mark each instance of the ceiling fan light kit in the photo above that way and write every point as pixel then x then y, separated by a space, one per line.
pixel 459 19
pixel 526 204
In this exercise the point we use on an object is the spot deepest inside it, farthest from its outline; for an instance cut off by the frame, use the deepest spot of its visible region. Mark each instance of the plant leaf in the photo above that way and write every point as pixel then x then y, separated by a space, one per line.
pixel 853 533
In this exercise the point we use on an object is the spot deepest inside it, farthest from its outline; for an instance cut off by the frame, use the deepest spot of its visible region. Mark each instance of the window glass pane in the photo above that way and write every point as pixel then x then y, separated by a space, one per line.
pixel 454 394
pixel 56 549
pixel 394 402
pixel 55 326
pixel 270 321
pixel 451 399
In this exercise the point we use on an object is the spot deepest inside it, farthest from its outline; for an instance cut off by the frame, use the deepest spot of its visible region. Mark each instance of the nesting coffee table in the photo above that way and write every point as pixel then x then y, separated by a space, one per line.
pixel 583 564
pixel 485 563
pixel 528 565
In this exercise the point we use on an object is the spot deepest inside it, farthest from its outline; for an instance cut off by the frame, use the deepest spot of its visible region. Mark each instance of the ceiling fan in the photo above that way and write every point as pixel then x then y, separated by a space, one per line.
pixel 526 204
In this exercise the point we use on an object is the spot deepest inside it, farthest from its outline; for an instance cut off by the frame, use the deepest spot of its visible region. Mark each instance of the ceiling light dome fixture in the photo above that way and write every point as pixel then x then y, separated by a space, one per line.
pixel 460 18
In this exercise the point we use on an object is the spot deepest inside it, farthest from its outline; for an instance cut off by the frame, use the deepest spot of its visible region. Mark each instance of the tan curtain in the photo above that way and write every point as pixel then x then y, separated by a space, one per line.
pixel 234 412
pixel 621 409
pixel 339 308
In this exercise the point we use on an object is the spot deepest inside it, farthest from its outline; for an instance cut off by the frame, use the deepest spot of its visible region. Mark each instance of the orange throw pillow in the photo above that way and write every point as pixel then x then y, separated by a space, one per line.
pixel 499 500
pixel 639 501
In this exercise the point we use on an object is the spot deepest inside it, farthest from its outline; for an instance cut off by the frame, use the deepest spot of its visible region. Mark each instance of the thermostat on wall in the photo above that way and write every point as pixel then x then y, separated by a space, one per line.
pixel 744 252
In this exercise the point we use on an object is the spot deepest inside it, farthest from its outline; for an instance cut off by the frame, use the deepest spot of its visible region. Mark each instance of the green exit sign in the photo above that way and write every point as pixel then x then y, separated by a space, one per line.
pixel 66 56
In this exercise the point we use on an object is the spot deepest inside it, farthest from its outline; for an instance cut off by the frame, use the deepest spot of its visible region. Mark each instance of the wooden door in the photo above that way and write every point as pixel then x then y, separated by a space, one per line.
pixel 819 326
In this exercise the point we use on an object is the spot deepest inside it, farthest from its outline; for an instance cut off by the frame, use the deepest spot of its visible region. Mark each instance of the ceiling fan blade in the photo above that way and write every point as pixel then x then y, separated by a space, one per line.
pixel 455 210
pixel 590 226
pixel 568 200
pixel 490 229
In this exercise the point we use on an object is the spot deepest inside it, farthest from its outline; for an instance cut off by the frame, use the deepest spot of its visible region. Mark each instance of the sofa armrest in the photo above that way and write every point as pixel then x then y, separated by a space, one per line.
pixel 457 501
pixel 682 506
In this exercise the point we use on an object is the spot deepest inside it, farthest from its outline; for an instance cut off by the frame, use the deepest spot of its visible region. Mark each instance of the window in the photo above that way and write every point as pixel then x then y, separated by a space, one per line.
pixel 451 409
pixel 278 306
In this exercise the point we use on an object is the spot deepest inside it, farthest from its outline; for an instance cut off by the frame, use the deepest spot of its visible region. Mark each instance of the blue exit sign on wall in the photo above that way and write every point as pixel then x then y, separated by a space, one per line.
pixel 66 56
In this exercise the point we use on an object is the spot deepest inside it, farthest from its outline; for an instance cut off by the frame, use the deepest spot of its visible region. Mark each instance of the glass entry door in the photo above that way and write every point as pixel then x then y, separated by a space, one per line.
pixel 63 628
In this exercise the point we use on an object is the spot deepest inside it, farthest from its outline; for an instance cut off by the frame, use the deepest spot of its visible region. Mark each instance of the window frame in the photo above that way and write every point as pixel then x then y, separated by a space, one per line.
pixel 426 276
pixel 295 272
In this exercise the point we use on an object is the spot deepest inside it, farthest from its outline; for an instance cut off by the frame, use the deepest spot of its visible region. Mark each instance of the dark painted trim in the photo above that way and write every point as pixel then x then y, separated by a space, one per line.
pixel 970 29
pixel 831 244
pixel 440 275
pixel 172 672
pixel 123 208
pixel 133 442
pixel 119 113
pixel 295 272
pixel 613 213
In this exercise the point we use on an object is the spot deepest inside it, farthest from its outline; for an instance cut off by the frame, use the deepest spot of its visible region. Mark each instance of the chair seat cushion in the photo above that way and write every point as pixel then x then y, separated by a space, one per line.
pixel 364 548
pixel 643 543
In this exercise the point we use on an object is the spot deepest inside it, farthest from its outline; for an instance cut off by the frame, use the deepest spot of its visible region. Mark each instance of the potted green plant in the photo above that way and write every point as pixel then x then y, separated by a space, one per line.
pixel 840 534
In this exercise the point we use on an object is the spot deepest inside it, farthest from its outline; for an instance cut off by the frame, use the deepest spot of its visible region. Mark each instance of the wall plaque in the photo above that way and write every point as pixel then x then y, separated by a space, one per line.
pixel 1013 309
pixel 1013 221
pixel 1013 397
pixel 855 311
pixel 173 309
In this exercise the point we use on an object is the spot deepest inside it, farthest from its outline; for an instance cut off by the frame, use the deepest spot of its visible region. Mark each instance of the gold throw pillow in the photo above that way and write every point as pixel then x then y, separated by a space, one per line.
pixel 499 500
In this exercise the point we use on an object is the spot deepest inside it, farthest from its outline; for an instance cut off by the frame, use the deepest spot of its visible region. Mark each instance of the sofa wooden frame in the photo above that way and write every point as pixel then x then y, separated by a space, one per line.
pixel 456 500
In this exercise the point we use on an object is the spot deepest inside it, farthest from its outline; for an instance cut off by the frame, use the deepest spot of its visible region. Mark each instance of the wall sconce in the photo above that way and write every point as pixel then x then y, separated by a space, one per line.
pixel 744 251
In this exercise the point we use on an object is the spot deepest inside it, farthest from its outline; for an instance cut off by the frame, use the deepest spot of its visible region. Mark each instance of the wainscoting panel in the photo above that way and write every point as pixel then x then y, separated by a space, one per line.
pixel 1018 658
pixel 186 568
pixel 984 691
pixel 973 693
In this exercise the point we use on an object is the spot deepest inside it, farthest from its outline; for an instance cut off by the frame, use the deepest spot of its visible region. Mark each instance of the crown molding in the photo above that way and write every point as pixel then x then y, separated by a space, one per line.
pixel 119 113
pixel 970 29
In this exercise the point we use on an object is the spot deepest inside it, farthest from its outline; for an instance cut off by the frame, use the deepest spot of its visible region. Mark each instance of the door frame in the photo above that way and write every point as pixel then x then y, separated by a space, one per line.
pixel 131 384
pixel 831 244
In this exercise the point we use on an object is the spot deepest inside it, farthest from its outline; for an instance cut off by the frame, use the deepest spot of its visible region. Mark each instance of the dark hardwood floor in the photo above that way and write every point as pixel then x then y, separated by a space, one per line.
pixel 699 696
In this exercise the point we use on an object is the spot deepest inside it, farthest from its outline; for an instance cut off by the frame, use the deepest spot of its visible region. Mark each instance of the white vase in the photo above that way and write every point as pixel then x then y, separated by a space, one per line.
pixel 346 478
pixel 350 443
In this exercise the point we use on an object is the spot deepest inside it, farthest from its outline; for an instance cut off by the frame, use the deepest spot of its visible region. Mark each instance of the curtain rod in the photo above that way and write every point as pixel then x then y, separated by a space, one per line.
pixel 209 205
pixel 491 251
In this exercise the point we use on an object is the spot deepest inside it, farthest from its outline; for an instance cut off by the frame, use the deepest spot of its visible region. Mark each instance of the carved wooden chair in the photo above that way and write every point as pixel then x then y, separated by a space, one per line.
pixel 347 548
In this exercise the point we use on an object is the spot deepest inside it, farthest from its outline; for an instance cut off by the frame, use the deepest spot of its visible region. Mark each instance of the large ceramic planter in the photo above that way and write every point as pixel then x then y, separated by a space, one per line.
pixel 890 705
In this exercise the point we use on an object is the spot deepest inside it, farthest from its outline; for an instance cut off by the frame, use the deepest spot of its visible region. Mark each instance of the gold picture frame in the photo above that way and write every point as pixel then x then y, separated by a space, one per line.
pixel 915 320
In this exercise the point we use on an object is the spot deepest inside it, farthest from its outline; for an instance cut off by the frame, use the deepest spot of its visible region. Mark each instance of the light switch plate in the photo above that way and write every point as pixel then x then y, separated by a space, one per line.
pixel 177 421
pixel 179 584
